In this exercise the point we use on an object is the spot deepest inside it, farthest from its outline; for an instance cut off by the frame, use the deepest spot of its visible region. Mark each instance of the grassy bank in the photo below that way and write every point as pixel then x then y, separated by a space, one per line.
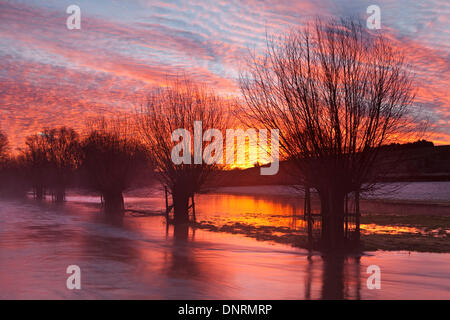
pixel 431 233
pixel 379 232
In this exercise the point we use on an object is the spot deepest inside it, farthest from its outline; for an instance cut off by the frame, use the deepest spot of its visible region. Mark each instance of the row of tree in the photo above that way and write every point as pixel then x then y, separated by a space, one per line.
pixel 113 154
pixel 105 160
pixel 336 92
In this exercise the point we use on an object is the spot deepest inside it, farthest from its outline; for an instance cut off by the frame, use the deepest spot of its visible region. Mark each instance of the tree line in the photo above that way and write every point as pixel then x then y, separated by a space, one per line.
pixel 115 154
pixel 336 91
pixel 104 160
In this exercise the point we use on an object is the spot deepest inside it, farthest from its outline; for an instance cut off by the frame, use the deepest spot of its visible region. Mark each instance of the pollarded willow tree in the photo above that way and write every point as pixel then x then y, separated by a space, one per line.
pixel 190 107
pixel 37 164
pixel 337 93
pixel 113 159
pixel 52 156
pixel 64 156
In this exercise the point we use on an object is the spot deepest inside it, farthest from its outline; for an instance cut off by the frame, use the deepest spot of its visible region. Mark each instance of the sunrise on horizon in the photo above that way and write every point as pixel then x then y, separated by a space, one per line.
pixel 204 152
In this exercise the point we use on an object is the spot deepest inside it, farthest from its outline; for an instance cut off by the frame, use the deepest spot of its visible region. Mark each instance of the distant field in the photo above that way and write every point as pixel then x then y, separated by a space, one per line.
pixel 403 191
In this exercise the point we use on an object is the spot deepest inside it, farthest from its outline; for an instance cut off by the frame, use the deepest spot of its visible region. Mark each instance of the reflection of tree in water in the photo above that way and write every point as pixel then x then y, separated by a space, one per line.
pixel 340 277
pixel 308 277
pixel 48 222
pixel 201 276
pixel 182 262
pixel 119 248
pixel 181 233
pixel 333 277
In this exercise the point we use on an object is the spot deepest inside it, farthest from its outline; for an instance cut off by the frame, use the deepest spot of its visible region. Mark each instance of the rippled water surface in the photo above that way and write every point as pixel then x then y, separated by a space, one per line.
pixel 136 257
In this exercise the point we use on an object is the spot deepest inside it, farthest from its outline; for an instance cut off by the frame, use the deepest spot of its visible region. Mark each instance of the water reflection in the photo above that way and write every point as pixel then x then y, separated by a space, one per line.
pixel 333 277
pixel 341 277
pixel 286 212
pixel 182 262
pixel 309 276
pixel 133 257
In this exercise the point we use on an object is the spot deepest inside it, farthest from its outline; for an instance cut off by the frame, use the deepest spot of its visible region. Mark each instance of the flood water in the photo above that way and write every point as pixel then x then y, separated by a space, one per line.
pixel 136 257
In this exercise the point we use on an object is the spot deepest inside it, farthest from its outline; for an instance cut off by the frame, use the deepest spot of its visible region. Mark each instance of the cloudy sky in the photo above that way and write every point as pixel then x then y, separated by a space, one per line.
pixel 53 76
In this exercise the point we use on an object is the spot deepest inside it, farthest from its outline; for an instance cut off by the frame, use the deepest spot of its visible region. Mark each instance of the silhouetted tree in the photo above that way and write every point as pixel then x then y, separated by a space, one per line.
pixel 4 148
pixel 37 163
pixel 337 93
pixel 63 153
pixel 113 159
pixel 4 157
pixel 13 177
pixel 52 156
pixel 12 174
pixel 178 106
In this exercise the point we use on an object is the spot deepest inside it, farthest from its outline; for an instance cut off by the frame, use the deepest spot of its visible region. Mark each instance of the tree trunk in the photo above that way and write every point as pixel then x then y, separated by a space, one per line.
pixel 181 231
pixel 332 207
pixel 180 207
pixel 333 277
pixel 39 192
pixel 60 194
pixel 113 202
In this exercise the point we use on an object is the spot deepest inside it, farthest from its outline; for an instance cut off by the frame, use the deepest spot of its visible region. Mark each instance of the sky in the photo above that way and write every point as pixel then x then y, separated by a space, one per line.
pixel 52 76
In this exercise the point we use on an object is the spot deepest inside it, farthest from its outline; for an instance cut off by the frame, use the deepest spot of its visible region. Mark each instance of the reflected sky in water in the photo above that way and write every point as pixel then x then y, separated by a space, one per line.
pixel 135 257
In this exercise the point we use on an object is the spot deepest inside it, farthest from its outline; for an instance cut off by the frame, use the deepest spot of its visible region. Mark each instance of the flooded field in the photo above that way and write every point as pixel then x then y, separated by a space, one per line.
pixel 138 257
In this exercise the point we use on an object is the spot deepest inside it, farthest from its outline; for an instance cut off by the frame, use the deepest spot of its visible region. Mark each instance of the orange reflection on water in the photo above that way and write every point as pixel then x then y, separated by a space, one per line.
pixel 134 258
pixel 253 210
pixel 373 228
pixel 283 213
